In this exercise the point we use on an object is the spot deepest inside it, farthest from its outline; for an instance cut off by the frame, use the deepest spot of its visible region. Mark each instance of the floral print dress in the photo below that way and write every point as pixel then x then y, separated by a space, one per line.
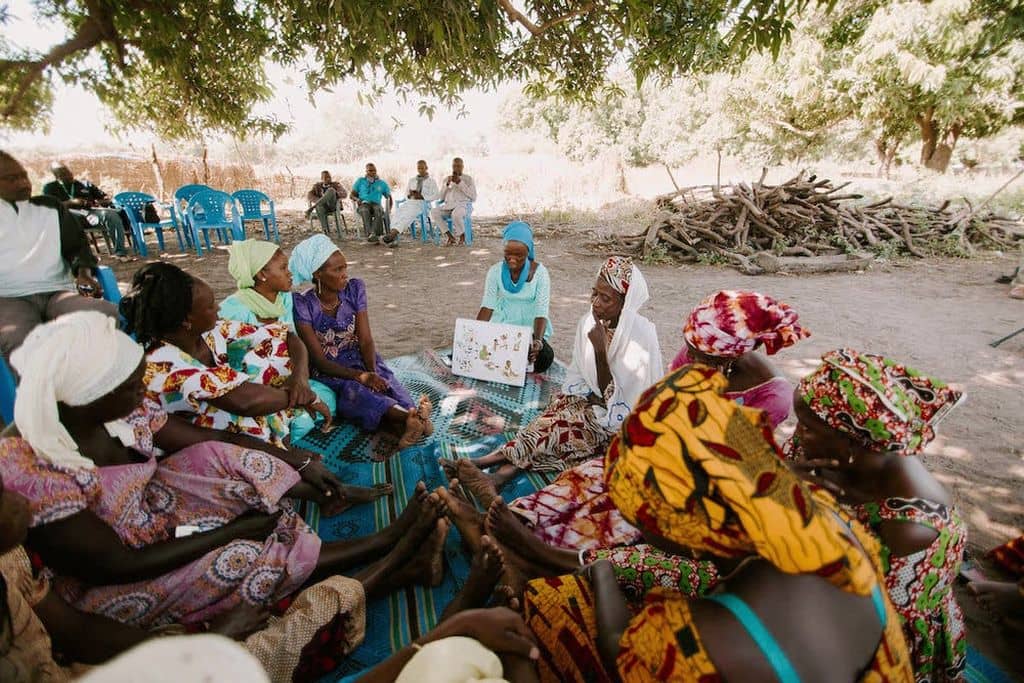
pixel 184 385
pixel 206 485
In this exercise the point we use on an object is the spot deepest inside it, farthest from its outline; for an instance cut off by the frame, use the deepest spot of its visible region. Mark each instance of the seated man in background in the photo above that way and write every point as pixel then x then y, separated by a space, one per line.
pixel 458 191
pixel 44 258
pixel 89 201
pixel 421 189
pixel 369 191
pixel 324 198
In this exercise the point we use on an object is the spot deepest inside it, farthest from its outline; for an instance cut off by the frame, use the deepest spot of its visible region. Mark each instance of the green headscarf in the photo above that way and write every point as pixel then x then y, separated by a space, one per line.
pixel 248 257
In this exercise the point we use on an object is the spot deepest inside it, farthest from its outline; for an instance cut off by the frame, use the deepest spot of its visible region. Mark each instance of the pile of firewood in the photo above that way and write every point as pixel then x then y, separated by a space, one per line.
pixel 807 216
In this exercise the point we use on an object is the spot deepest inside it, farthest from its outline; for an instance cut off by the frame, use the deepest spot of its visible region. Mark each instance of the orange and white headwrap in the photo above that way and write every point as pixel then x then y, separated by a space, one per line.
pixel 729 324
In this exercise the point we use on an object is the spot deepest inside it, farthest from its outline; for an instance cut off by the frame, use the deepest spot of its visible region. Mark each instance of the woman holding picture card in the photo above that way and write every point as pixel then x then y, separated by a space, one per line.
pixel 517 291
pixel 615 357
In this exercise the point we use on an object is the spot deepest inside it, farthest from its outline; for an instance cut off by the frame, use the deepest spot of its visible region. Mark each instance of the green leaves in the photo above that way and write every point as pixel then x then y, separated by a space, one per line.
pixel 191 68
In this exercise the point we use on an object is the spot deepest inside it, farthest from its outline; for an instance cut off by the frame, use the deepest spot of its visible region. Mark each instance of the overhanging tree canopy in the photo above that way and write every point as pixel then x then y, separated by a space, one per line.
pixel 185 67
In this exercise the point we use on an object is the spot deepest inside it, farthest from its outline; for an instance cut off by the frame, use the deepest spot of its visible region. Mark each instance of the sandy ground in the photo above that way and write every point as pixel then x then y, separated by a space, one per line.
pixel 937 316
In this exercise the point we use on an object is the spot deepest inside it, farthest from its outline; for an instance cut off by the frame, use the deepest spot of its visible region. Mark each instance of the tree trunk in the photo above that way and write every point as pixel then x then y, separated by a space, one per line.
pixel 885 151
pixel 158 174
pixel 206 166
pixel 936 152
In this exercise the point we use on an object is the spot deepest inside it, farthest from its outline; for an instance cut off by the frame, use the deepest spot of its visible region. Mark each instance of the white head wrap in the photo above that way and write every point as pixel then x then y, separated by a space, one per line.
pixel 75 359
pixel 634 355
pixel 453 660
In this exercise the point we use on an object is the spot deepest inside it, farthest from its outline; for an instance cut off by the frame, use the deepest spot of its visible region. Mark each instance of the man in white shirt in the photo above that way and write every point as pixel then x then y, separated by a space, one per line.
pixel 458 190
pixel 45 260
pixel 421 190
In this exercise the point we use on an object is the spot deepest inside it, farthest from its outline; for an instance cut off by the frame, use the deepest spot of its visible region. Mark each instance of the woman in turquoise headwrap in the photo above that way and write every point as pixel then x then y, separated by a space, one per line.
pixel 333 321
pixel 264 297
pixel 517 291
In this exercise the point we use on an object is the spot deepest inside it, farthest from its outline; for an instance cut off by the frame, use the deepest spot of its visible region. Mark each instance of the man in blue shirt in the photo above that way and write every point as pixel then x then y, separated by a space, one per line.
pixel 368 191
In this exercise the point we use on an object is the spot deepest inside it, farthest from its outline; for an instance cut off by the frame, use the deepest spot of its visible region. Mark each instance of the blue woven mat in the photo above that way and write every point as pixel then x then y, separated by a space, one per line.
pixel 982 670
pixel 471 418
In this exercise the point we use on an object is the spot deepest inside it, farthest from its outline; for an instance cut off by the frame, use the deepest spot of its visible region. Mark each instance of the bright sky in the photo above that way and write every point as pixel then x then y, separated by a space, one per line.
pixel 69 127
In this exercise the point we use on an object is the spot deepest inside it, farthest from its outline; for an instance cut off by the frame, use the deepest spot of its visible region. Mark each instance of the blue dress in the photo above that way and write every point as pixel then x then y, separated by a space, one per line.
pixel 337 336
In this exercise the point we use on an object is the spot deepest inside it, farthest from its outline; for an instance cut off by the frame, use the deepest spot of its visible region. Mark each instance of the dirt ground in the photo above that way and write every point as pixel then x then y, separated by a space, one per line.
pixel 937 316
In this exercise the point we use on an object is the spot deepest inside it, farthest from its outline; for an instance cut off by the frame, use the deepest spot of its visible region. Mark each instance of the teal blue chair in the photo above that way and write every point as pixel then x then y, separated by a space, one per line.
pixel 134 204
pixel 251 203
pixel 213 210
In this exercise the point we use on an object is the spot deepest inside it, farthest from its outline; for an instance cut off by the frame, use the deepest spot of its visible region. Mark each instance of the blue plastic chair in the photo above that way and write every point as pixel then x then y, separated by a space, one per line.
pixel 8 387
pixel 251 203
pixel 468 226
pixel 425 224
pixel 134 204
pixel 208 210
pixel 181 198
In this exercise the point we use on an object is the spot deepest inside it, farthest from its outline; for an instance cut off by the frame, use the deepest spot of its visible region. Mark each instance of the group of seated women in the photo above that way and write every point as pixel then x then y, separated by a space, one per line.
pixel 151 480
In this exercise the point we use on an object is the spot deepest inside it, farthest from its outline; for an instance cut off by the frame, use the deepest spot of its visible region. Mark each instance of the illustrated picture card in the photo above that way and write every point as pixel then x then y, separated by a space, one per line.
pixel 493 352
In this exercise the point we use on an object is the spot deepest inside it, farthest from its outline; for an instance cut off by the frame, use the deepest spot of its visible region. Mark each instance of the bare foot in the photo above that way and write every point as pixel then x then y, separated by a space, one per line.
pixel 450 467
pixel 1002 599
pixel 413 510
pixel 512 586
pixel 413 431
pixel 426 566
pixel 476 481
pixel 354 495
pixel 423 410
pixel 463 515
pixel 485 571
pixel 522 548
pixel 503 475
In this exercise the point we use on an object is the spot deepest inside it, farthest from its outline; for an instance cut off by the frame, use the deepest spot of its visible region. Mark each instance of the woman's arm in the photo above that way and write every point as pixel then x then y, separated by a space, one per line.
pixel 484 314
pixel 84 547
pixel 611 611
pixel 252 400
pixel 319 359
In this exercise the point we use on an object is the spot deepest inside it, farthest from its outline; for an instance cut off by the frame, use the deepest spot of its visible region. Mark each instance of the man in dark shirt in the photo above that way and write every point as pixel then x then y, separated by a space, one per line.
pixel 89 201
pixel 45 260
pixel 325 198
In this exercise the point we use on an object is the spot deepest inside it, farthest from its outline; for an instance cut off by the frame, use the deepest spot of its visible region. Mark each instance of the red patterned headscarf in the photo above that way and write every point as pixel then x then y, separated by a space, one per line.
pixel 617 271
pixel 729 324
pixel 880 403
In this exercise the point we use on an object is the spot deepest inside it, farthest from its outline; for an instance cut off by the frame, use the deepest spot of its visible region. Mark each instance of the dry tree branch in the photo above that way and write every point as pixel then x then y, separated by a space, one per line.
pixel 535 29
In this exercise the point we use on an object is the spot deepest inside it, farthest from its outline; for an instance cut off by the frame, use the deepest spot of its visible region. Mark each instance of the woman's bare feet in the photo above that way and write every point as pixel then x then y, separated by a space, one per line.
pixel 427 567
pixel 463 515
pixel 354 495
pixel 474 480
pixel 412 512
pixel 1003 599
pixel 413 555
pixel 485 570
pixel 423 409
pixel 413 430
pixel 522 548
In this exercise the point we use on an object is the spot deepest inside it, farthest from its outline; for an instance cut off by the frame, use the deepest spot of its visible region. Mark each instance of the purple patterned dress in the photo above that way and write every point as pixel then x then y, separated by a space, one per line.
pixel 206 485
pixel 337 335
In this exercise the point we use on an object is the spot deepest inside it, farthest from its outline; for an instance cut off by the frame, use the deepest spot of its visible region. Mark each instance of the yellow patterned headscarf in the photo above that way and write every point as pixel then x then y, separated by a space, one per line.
pixel 704 472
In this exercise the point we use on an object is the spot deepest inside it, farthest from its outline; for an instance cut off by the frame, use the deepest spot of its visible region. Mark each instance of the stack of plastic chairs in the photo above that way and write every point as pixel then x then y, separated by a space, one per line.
pixel 213 210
